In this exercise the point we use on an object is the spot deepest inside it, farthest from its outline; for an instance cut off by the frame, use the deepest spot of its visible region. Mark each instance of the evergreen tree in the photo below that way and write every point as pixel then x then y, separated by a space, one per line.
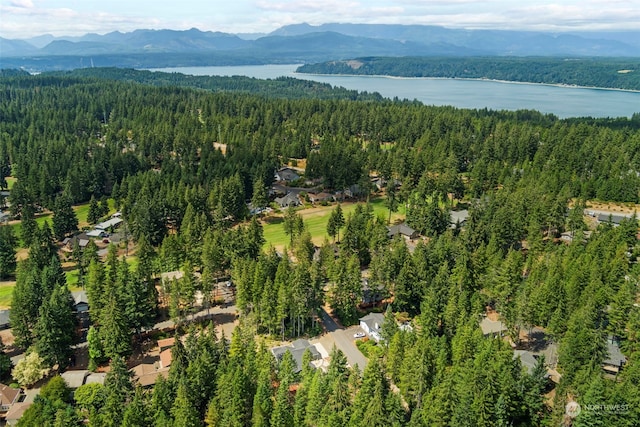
pixel 7 252
pixel 55 329
pixel 94 211
pixel 183 411
pixel 65 220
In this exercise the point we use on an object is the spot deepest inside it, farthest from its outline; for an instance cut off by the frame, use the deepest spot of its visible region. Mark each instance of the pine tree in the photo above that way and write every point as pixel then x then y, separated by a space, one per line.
pixel 65 220
pixel 54 331
pixel 183 411
pixel 94 211
pixel 8 243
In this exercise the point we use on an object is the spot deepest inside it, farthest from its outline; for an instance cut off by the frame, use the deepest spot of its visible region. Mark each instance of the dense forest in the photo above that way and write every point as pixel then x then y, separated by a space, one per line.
pixel 589 72
pixel 152 147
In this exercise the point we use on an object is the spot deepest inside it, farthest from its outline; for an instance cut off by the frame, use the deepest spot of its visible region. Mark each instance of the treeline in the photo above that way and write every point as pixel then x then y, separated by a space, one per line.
pixel 602 73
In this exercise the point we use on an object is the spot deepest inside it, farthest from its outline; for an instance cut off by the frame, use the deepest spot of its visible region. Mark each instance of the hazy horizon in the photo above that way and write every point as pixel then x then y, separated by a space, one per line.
pixel 24 19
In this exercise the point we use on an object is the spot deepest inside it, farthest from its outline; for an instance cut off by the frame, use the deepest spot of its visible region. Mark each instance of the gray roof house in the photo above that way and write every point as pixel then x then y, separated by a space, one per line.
pixel 297 349
pixel 371 324
pixel 289 199
pixel 80 301
pixel 528 360
pixel 286 174
pixel 613 219
pixel 4 319
pixel 459 218
pixel 615 360
pixel 106 225
pixel 402 230
pixel 492 327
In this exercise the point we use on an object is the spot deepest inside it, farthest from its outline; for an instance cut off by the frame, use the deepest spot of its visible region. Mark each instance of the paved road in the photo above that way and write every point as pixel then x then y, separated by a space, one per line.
pixel 343 340
pixel 223 318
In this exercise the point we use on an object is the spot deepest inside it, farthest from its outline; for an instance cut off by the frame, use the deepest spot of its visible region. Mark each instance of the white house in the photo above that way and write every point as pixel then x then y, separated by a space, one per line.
pixel 371 324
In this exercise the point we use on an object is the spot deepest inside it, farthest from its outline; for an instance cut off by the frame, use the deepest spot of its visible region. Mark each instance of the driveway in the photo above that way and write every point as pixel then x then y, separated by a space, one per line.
pixel 343 339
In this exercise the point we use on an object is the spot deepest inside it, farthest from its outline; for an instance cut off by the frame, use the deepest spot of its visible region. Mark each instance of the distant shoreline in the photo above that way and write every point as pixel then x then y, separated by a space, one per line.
pixel 560 85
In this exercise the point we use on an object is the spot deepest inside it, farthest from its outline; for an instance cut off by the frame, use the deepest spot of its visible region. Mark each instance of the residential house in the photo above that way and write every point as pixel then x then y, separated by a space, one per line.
pixel 81 307
pixel 353 192
pixel 458 218
pixel 286 175
pixel 402 230
pixel 109 224
pixel 97 233
pixel 16 412
pixel 4 319
pixel 320 197
pixel 80 302
pixel 379 183
pixel 8 397
pixel 95 377
pixel 492 327
pixel 372 294
pixel 297 350
pixel 371 324
pixel 615 220
pixel 82 239
pixel 615 360
pixel 146 374
pixel 528 360
pixel 75 379
pixel 290 199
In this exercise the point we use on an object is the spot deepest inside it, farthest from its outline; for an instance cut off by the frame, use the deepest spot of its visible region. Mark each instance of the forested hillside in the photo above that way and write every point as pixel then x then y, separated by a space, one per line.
pixel 590 72
pixel 156 151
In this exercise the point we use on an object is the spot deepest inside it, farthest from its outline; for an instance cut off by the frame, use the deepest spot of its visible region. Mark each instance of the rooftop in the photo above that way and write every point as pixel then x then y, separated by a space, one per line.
pixel 297 349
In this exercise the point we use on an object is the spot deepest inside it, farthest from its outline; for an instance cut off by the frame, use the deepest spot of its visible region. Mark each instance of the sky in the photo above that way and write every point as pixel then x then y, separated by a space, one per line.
pixel 28 18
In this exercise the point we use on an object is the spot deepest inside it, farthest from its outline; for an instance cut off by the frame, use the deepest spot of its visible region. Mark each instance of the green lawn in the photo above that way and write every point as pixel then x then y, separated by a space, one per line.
pixel 6 292
pixel 316 222
pixel 10 181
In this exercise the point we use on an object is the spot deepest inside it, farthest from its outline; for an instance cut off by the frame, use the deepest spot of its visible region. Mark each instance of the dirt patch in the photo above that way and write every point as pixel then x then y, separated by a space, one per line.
pixel 626 208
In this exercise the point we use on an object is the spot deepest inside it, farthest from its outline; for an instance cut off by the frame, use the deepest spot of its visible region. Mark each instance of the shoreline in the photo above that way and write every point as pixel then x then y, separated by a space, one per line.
pixel 480 79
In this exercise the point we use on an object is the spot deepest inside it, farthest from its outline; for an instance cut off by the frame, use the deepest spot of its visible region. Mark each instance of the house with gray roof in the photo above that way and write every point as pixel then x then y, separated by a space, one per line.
pixel 402 230
pixel 614 360
pixel 458 218
pixel 297 349
pixel 371 324
pixel 492 327
pixel 4 319
pixel 286 174
pixel 290 199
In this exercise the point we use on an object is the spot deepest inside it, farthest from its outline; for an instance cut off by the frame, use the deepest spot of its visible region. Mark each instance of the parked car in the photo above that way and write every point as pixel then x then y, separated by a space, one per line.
pixel 359 335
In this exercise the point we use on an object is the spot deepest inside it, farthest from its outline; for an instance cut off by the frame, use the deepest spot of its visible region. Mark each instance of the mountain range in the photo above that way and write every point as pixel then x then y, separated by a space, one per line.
pixel 303 43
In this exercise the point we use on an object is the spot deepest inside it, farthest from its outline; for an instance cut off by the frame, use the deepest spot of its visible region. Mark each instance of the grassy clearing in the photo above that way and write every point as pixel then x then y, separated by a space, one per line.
pixel 316 219
pixel 6 292
pixel 10 181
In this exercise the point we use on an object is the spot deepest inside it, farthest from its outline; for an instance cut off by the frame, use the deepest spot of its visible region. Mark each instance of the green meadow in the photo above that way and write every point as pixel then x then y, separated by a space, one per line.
pixel 316 219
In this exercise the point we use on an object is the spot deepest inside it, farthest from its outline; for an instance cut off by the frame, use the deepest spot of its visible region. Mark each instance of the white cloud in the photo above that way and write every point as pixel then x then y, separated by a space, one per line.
pixel 26 18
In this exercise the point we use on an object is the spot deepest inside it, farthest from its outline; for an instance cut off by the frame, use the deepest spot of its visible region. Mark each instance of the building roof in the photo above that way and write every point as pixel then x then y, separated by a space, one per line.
pixel 96 233
pixel 459 216
pixel 16 412
pixel 297 349
pixel 373 320
pixel 4 317
pixel 615 219
pixel 402 229
pixel 489 326
pixel 8 395
pixel 165 358
pixel 96 377
pixel 614 355
pixel 74 379
pixel 288 199
pixel 147 374
pixel 109 223
pixel 166 343
pixel 80 297
pixel 287 174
